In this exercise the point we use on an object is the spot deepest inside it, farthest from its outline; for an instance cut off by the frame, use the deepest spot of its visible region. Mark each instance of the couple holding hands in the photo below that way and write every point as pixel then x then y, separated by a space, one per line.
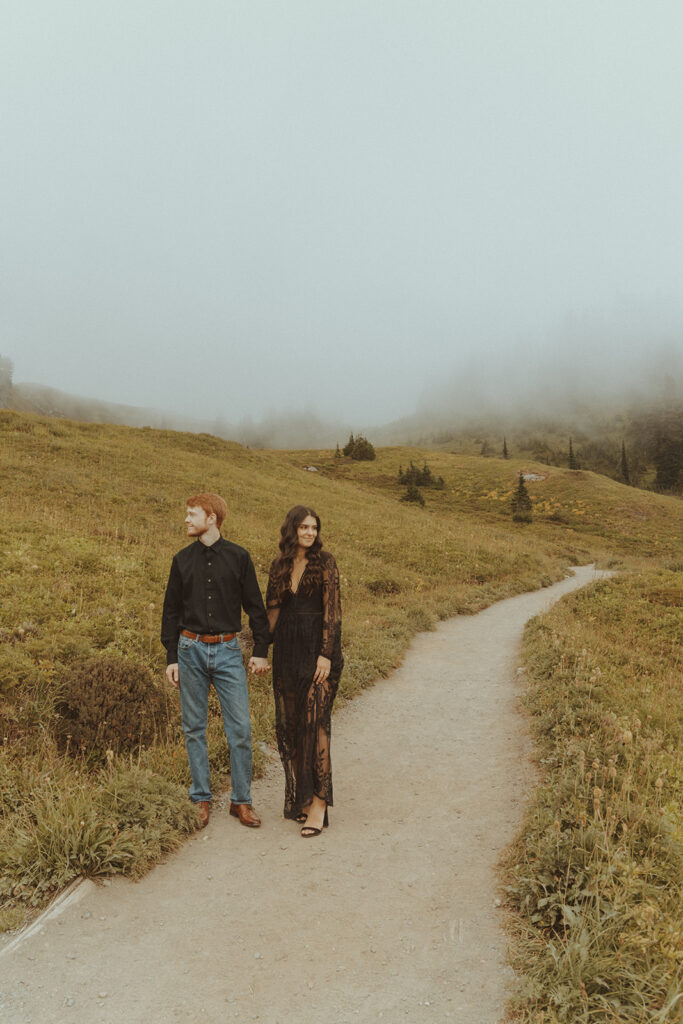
pixel 210 582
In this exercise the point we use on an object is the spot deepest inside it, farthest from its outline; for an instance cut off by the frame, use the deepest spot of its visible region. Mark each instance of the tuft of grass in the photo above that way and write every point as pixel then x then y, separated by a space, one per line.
pixel 596 876
pixel 59 821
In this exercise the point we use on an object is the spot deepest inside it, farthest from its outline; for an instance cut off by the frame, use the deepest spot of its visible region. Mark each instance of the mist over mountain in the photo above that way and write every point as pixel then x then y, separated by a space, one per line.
pixel 288 430
pixel 602 389
pixel 583 380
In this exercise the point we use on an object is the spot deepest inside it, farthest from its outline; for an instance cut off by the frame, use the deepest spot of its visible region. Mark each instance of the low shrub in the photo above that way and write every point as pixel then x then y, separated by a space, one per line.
pixel 109 703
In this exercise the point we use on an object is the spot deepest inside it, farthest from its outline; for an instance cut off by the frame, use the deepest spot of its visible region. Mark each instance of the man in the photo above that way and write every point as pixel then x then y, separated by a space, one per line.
pixel 209 584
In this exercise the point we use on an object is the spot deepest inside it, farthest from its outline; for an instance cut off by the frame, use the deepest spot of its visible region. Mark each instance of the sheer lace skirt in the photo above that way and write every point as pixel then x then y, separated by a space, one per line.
pixel 303 709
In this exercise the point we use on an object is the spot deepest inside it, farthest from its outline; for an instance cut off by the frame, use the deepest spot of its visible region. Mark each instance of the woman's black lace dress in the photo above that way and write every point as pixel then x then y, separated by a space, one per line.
pixel 305 625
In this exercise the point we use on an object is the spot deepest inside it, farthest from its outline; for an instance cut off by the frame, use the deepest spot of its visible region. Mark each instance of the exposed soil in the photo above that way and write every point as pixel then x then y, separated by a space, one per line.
pixel 389 915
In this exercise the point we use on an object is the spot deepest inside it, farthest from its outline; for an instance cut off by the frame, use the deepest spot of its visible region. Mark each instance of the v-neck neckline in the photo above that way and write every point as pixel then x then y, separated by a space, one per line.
pixel 298 586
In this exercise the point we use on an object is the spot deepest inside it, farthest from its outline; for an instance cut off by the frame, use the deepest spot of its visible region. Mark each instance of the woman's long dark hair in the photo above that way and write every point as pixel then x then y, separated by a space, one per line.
pixel 289 544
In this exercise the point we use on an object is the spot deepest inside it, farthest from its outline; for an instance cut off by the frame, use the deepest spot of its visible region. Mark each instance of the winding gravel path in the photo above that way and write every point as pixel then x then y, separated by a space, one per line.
pixel 388 916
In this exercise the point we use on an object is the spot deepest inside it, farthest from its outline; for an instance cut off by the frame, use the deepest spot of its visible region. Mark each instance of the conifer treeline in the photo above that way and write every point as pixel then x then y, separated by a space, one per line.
pixel 643 450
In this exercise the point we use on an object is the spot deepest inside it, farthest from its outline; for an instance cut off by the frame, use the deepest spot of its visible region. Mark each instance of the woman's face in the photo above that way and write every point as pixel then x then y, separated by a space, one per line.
pixel 306 532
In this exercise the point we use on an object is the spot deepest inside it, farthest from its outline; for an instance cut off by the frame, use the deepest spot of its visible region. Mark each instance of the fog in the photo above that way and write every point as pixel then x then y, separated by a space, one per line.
pixel 282 222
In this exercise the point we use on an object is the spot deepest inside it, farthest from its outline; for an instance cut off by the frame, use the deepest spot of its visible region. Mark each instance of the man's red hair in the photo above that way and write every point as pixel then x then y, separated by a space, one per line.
pixel 212 504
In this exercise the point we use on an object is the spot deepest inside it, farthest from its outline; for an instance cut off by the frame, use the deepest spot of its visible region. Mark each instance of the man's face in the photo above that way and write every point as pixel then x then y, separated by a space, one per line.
pixel 197 521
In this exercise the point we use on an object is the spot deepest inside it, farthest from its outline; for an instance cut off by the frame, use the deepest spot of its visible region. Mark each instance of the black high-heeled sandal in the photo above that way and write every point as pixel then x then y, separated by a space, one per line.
pixel 309 831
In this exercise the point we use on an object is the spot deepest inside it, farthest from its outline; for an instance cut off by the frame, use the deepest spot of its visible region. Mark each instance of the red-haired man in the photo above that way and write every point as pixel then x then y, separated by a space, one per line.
pixel 210 582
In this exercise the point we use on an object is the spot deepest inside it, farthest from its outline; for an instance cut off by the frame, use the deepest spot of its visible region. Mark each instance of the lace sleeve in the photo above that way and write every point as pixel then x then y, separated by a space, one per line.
pixel 331 606
pixel 272 602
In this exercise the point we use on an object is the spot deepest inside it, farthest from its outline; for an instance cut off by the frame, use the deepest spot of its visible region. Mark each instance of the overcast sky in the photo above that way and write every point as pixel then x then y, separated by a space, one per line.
pixel 242 208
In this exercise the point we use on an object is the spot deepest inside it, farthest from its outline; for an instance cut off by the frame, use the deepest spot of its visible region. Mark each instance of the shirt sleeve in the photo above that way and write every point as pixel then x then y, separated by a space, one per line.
pixel 331 606
pixel 252 602
pixel 170 618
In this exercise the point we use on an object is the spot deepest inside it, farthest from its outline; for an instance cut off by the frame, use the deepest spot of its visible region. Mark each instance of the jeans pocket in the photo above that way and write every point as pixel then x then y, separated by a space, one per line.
pixel 185 644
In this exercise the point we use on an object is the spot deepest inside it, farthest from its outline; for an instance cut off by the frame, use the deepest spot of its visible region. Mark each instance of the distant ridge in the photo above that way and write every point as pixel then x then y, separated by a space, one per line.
pixel 47 401
pixel 301 429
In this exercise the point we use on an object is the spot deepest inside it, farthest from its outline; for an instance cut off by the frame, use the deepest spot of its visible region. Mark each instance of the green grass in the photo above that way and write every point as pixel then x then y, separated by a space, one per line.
pixel 596 877
pixel 91 516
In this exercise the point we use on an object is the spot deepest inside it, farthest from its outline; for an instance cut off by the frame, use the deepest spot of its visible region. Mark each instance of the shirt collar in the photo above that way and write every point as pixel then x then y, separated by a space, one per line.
pixel 206 548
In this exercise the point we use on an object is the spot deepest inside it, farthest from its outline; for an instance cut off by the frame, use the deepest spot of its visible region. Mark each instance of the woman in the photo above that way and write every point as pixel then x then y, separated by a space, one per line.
pixel 304 611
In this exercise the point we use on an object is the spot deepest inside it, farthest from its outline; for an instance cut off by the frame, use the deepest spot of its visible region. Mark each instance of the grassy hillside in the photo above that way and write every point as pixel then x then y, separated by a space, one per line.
pixel 91 516
pixel 649 433
pixel 575 510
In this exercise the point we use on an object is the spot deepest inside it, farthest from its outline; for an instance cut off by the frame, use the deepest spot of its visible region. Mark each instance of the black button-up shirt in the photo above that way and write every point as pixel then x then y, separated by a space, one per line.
pixel 207 589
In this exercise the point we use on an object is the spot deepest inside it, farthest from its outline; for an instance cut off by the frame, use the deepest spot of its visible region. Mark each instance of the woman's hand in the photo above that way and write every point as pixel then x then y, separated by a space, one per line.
pixel 322 669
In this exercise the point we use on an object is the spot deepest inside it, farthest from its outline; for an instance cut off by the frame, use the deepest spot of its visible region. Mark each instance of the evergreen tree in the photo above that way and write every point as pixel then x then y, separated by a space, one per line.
pixel 521 503
pixel 623 468
pixel 337 453
pixel 359 448
pixel 363 450
pixel 505 449
pixel 424 477
pixel 427 476
pixel 573 464
pixel 413 494
pixel 669 462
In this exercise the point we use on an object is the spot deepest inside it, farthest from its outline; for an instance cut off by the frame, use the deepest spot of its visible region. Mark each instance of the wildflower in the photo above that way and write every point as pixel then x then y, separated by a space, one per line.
pixel 626 736
pixel 659 784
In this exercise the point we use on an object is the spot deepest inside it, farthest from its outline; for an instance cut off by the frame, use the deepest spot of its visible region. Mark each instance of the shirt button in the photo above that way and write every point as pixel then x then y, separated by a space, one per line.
pixel 209 597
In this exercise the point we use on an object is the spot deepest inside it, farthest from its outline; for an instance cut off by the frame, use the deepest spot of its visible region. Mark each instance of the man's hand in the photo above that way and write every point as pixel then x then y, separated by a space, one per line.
pixel 259 666
pixel 172 675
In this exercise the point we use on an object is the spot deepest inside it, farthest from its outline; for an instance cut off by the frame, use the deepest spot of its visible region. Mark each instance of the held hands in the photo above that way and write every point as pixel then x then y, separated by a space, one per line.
pixel 322 669
pixel 172 675
pixel 259 666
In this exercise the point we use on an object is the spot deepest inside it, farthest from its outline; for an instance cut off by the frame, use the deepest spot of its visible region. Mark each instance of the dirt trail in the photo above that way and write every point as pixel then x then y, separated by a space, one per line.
pixel 389 915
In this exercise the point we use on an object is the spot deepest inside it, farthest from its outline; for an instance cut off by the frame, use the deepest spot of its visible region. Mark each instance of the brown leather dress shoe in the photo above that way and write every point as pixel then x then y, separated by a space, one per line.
pixel 204 811
pixel 246 814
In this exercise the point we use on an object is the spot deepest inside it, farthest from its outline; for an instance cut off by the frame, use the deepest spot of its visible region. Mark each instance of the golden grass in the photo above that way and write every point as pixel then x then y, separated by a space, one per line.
pixel 92 514
pixel 596 877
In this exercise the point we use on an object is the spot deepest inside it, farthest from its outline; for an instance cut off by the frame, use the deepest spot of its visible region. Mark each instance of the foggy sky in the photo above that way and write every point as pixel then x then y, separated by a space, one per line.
pixel 342 209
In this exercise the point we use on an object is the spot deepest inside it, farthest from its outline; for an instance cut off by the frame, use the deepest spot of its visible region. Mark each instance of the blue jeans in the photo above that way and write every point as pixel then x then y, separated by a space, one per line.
pixel 199 665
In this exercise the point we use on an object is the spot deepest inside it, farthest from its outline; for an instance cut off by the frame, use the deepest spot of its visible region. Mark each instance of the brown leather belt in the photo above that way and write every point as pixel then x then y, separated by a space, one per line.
pixel 218 638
